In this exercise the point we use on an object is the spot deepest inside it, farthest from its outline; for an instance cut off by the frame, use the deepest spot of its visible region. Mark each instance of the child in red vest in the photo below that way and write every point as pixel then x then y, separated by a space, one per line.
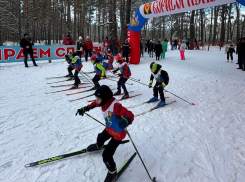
pixel 117 118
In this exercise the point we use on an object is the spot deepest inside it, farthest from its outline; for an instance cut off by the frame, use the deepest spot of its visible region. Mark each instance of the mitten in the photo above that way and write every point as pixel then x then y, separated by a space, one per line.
pixel 123 122
pixel 82 110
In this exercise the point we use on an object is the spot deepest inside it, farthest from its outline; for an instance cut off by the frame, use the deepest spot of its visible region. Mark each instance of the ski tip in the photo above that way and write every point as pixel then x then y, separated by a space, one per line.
pixel 174 101
pixel 192 104
pixel 27 165
pixel 124 141
pixel 154 179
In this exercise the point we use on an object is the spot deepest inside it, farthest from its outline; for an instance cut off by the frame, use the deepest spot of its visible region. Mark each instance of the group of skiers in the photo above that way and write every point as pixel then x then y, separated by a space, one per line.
pixel 117 117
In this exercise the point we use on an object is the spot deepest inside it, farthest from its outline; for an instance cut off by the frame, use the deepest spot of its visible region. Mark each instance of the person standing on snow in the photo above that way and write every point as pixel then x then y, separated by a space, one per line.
pixel 126 50
pixel 243 53
pixel 162 80
pixel 117 118
pixel 79 46
pixel 99 71
pixel 182 49
pixel 106 44
pixel 124 75
pixel 26 43
pixel 88 47
pixel 68 40
pixel 164 48
pixel 229 49
pixel 158 50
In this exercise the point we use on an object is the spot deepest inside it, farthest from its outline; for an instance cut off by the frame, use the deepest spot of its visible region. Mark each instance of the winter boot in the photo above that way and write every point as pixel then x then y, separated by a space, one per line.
pixel 111 176
pixel 71 78
pixel 93 147
pixel 117 93
pixel 161 103
pixel 94 88
pixel 74 86
pixel 125 96
pixel 35 64
pixel 153 99
pixel 69 75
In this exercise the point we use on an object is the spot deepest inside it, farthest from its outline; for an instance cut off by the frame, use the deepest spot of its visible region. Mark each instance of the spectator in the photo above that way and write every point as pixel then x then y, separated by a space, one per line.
pixel 88 47
pixel 113 46
pixel 182 49
pixel 229 49
pixel 150 48
pixel 68 40
pixel 172 45
pixel 106 44
pixel 79 46
pixel 243 53
pixel 26 43
pixel 158 50
pixel 164 48
pixel 239 52
pixel 141 48
pixel 145 45
pixel 126 50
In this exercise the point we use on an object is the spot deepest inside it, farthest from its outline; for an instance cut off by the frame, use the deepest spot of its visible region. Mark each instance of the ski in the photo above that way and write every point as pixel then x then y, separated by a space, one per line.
pixel 124 166
pixel 68 85
pixel 83 97
pixel 61 81
pixel 153 108
pixel 147 102
pixel 82 91
pixel 51 159
pixel 56 77
pixel 114 96
pixel 130 97
pixel 66 90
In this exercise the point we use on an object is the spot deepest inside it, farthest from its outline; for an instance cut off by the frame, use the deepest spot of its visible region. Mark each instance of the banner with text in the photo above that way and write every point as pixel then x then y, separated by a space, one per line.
pixel 10 54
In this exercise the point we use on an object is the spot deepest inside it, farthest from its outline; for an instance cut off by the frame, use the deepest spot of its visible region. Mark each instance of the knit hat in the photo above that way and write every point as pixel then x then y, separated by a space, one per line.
pixel 126 40
pixel 80 37
pixel 93 57
pixel 87 37
pixel 104 93
pixel 25 34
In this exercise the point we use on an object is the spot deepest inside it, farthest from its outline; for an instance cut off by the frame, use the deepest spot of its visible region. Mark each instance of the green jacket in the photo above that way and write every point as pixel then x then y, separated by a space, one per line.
pixel 164 46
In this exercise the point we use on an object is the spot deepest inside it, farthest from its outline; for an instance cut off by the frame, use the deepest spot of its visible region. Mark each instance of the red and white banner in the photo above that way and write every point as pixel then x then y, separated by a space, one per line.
pixel 167 7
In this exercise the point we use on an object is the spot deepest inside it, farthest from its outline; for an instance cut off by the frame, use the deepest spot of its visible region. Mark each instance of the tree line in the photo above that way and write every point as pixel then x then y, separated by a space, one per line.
pixel 51 20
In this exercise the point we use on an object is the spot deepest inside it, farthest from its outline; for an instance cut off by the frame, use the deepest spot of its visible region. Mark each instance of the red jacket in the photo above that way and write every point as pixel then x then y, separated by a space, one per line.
pixel 118 109
pixel 88 45
pixel 124 68
pixel 68 41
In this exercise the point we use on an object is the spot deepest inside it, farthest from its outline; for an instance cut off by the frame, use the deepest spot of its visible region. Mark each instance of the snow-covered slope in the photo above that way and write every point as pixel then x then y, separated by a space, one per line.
pixel 178 143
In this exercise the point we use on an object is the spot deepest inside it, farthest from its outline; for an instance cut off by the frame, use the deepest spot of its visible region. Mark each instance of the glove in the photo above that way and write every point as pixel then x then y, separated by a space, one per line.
pixel 102 77
pixel 123 122
pixel 150 85
pixel 114 71
pixel 163 84
pixel 121 75
pixel 82 110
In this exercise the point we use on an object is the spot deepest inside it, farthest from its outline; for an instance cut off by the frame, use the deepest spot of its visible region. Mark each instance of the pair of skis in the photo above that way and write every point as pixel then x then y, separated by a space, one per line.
pixel 63 156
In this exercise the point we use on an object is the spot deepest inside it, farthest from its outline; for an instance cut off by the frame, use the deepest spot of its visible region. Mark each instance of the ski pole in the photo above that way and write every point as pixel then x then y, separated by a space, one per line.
pixel 179 97
pixel 116 81
pixel 86 77
pixel 154 179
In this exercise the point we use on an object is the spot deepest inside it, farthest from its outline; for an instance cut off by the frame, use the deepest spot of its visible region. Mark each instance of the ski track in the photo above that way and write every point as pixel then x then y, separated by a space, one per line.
pixel 178 143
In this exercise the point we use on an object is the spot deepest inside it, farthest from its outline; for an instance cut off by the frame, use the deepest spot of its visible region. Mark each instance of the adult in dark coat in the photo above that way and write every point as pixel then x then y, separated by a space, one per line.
pixel 26 43
pixel 243 53
pixel 158 50
pixel 113 46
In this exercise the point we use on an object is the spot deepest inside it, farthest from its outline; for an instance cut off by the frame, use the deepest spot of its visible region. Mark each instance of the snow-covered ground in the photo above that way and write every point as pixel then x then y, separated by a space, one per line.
pixel 180 142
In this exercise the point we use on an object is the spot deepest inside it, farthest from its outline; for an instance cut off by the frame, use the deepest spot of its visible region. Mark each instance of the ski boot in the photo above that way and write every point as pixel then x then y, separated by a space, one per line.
pixel 74 86
pixel 111 176
pixel 125 96
pixel 161 103
pixel 153 99
pixel 117 93
pixel 93 147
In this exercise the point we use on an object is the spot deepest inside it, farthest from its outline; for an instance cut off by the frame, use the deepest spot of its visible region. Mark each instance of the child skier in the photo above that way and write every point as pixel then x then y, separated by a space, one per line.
pixel 117 118
pixel 77 65
pixel 69 58
pixel 162 80
pixel 110 58
pixel 99 70
pixel 125 74
pixel 182 50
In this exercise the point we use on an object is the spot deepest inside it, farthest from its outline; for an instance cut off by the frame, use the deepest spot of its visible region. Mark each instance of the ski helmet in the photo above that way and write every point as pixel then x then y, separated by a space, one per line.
pixel 104 93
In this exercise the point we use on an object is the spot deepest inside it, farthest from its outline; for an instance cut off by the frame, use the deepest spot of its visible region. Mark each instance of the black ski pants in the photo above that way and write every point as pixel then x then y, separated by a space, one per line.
pixel 96 80
pixel 70 68
pixel 121 83
pixel 158 88
pixel 77 80
pixel 109 150
pixel 230 54
pixel 32 58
